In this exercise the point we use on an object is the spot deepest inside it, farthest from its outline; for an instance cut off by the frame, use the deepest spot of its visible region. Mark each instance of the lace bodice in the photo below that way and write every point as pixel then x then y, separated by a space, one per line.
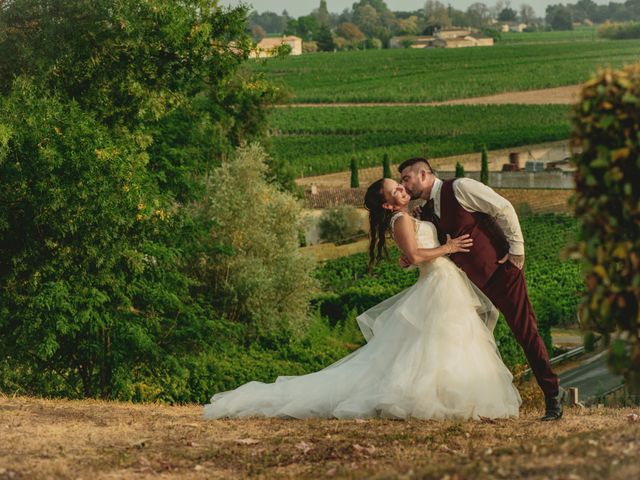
pixel 426 234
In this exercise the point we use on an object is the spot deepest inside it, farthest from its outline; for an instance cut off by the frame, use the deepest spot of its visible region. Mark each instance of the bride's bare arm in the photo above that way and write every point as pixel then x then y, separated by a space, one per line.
pixel 405 238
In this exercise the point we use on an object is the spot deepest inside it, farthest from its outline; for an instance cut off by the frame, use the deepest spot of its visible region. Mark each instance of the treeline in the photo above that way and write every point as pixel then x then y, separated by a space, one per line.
pixel 370 23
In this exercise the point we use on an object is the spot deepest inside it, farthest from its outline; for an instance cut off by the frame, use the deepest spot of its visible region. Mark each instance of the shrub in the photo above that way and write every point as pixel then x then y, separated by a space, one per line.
pixel 249 266
pixel 340 224
pixel 459 170
pixel 606 202
pixel 620 31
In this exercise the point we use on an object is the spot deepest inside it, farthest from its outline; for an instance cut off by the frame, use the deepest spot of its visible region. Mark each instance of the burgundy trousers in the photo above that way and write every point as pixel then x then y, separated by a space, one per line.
pixel 507 290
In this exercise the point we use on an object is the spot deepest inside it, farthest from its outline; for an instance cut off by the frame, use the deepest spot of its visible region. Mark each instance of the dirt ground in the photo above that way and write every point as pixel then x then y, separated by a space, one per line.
pixel 559 95
pixel 100 440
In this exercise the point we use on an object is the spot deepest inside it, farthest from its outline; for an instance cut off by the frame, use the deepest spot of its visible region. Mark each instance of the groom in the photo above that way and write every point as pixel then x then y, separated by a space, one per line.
pixel 495 265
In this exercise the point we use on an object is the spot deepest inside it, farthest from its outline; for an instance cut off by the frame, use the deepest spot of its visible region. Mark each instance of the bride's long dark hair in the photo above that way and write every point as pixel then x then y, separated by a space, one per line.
pixel 379 221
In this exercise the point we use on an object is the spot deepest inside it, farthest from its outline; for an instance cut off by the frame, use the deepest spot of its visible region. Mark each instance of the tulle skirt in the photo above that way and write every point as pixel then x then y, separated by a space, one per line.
pixel 430 354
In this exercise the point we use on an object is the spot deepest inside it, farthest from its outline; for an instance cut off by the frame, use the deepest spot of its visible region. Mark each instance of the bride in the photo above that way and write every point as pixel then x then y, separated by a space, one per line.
pixel 430 352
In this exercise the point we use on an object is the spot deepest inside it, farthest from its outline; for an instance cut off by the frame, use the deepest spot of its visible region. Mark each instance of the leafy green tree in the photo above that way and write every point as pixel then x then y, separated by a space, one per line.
pixel 507 15
pixel 307 27
pixel 606 147
pixel 559 17
pixel 324 38
pixel 484 166
pixel 146 66
pixel 91 290
pixel 459 170
pixel 323 16
pixel 355 182
pixel 386 166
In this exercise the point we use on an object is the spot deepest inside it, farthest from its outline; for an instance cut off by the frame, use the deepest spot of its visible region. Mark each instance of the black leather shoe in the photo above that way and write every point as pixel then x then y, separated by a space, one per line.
pixel 554 406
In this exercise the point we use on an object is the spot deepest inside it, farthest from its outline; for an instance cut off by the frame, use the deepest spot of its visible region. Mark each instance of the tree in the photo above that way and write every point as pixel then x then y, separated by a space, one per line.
pixel 379 5
pixel 478 14
pixel 355 182
pixel 270 22
pixel 322 14
pixel 386 166
pixel 367 19
pixel 605 146
pixel 307 27
pixel 527 14
pixel 484 166
pixel 437 15
pixel 258 33
pixel 324 38
pixel 507 15
pixel 459 170
pixel 91 289
pixel 350 32
pixel 559 17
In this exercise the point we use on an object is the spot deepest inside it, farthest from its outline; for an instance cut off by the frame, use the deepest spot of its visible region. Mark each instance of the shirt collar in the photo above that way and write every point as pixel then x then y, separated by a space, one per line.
pixel 435 189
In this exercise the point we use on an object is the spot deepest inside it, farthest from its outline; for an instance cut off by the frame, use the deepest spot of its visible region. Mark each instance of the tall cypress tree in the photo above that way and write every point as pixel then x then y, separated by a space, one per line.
pixel 355 182
pixel 459 170
pixel 484 166
pixel 325 39
pixel 386 166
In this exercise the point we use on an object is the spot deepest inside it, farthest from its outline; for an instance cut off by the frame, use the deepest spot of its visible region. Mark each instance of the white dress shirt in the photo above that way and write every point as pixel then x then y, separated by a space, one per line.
pixel 475 196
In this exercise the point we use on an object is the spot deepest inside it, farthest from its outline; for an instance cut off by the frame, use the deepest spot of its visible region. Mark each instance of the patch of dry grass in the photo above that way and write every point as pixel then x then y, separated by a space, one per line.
pixel 93 439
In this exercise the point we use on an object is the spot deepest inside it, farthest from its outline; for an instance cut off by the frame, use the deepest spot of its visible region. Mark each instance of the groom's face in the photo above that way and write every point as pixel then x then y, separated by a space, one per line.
pixel 414 180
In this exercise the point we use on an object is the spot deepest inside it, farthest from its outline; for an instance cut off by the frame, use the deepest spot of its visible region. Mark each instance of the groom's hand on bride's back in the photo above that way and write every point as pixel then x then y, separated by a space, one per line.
pixel 404 261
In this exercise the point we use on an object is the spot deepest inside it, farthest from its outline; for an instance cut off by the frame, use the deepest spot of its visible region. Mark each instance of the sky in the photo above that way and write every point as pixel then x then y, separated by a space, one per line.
pixel 297 8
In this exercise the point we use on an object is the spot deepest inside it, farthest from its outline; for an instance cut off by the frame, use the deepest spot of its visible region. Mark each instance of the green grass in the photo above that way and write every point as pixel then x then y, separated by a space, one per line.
pixel 317 140
pixel 411 75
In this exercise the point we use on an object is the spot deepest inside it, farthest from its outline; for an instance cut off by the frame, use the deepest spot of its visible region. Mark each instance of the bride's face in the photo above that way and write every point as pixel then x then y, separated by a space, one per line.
pixel 395 195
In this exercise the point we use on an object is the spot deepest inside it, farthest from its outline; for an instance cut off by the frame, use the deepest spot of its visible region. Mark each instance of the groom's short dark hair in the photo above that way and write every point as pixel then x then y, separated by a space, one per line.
pixel 412 161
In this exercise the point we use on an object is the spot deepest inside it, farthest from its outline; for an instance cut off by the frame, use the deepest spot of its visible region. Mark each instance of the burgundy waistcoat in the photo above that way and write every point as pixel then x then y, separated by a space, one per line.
pixel 489 241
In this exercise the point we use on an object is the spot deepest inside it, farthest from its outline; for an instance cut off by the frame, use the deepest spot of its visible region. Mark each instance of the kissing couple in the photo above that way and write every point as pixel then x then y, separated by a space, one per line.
pixel 430 350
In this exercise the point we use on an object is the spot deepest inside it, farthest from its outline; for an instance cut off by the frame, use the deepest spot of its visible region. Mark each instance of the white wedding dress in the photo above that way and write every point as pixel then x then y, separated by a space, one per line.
pixel 430 354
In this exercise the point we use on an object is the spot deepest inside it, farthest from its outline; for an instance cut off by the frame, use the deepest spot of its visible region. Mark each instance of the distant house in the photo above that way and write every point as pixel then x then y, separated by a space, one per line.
pixel 266 46
pixel 443 39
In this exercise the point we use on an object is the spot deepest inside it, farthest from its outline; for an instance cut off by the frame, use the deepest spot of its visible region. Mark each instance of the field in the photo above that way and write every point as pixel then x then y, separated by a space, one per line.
pixel 99 440
pixel 421 75
pixel 323 140
pixel 581 34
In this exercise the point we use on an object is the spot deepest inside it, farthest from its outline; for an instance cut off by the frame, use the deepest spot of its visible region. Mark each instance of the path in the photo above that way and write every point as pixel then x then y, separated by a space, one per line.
pixel 592 378
pixel 558 96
